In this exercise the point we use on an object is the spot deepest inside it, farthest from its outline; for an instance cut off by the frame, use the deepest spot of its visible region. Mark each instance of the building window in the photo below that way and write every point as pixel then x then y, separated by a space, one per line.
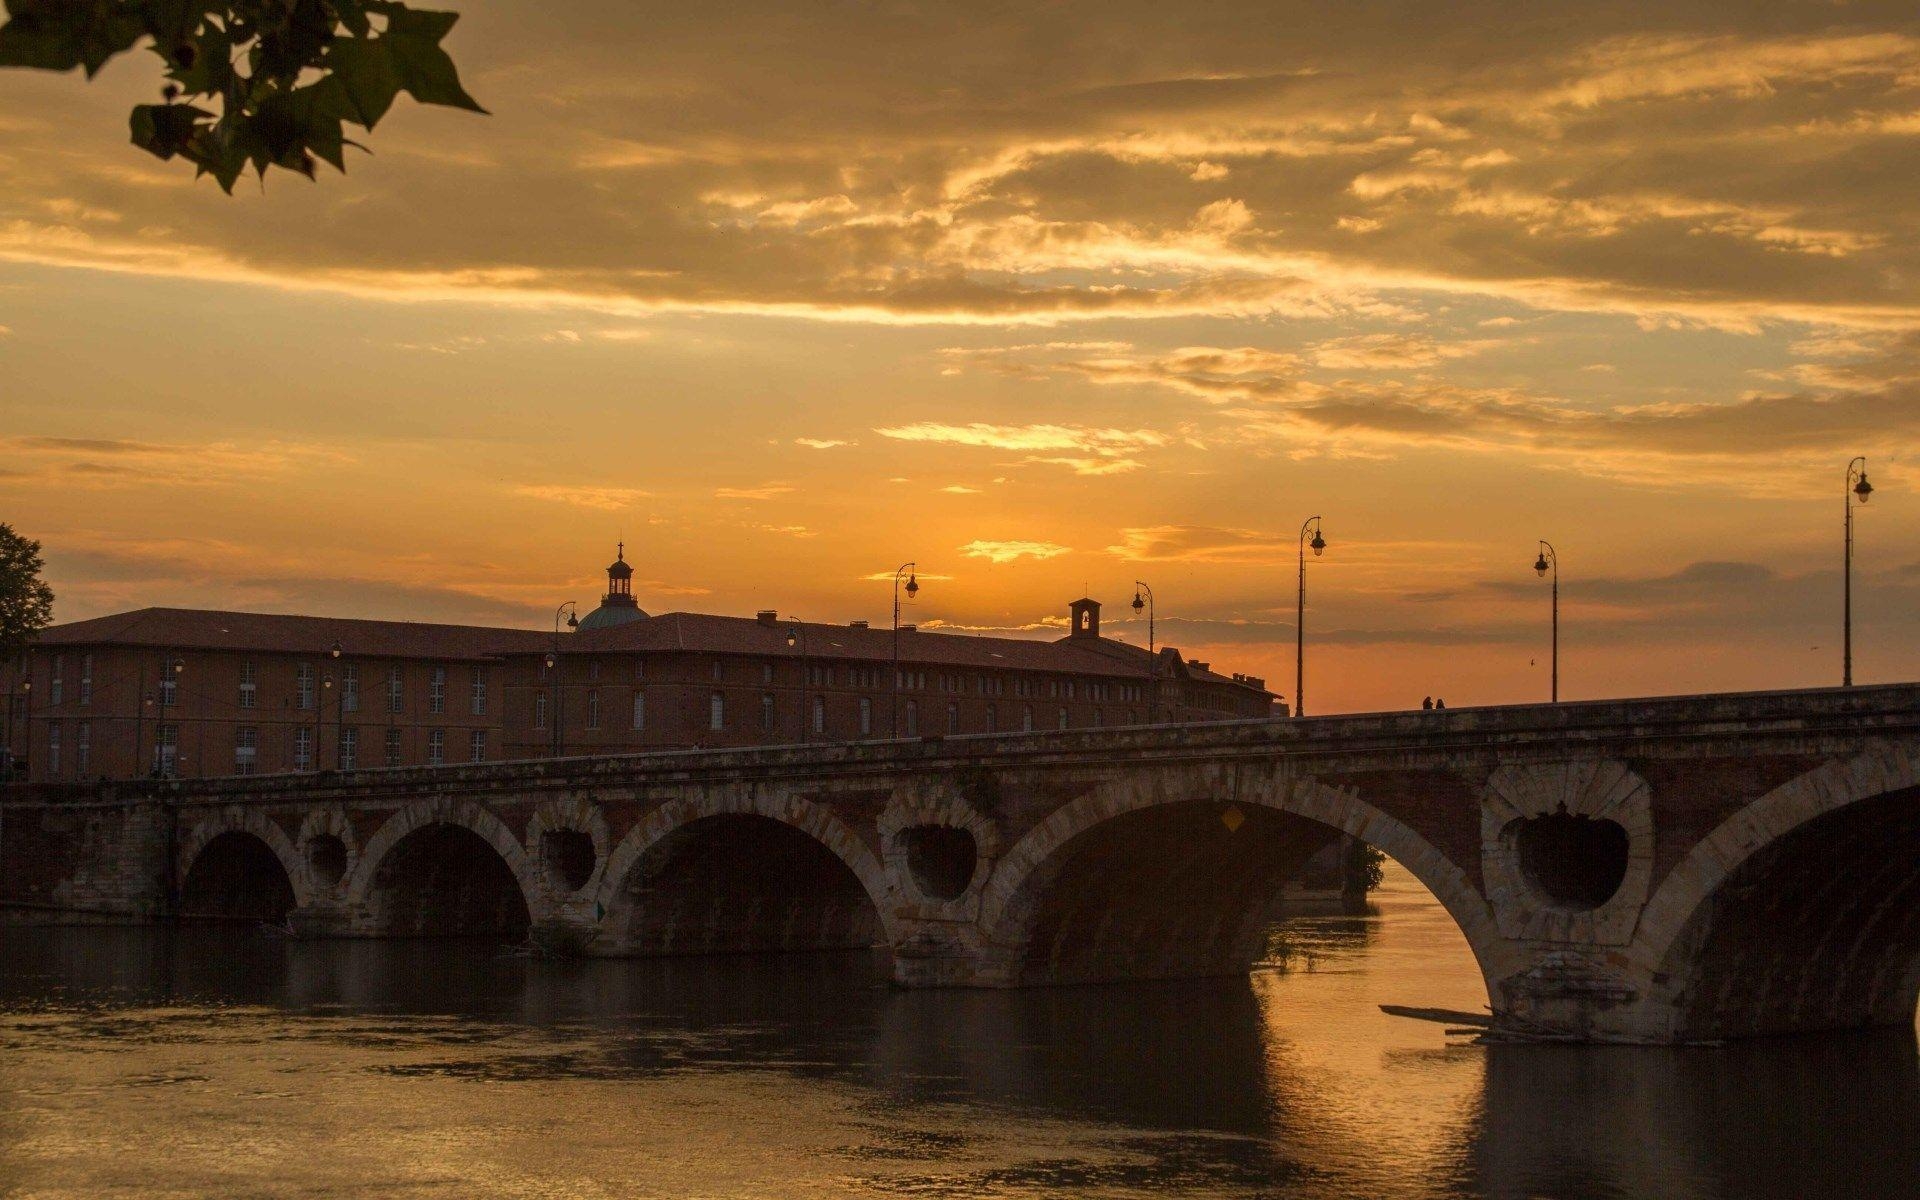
pixel 350 688
pixel 639 710
pixel 1063 716
pixel 82 744
pixel 1026 718
pixel 437 691
pixel 393 747
pixel 866 716
pixel 53 746
pixel 169 690
pixel 593 709
pixel 766 712
pixel 394 693
pixel 349 750
pixel 819 714
pixel 1099 716
pixel 766 672
pixel 639 668
pixel 593 670
pixel 436 747
pixel 303 685
pixel 717 711
pixel 56 686
pixel 539 710
pixel 86 683
pixel 246 749
pixel 249 685
pixel 303 749
pixel 477 746
pixel 913 718
pixel 718 671
pixel 479 690
pixel 993 718
pixel 953 718
pixel 169 749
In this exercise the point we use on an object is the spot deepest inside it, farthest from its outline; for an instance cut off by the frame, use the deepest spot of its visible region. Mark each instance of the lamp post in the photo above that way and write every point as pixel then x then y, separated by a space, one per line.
pixel 571 609
pixel 339 716
pixel 1319 546
pixel 1143 598
pixel 1857 487
pixel 797 636
pixel 1549 561
pixel 913 589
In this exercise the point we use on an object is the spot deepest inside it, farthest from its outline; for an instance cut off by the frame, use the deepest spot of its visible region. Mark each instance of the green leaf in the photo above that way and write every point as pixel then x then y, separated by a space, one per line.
pixel 367 77
pixel 424 69
pixel 165 130
pixel 59 35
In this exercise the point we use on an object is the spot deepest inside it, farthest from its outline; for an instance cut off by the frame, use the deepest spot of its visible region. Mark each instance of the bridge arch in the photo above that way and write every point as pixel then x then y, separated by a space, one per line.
pixel 1799 912
pixel 442 844
pixel 774 820
pixel 1009 900
pixel 230 842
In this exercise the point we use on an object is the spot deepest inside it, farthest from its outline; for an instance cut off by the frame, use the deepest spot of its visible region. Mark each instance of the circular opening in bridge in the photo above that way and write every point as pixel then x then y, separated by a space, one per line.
pixel 569 856
pixel 446 880
pixel 327 859
pixel 1576 862
pixel 236 877
pixel 941 859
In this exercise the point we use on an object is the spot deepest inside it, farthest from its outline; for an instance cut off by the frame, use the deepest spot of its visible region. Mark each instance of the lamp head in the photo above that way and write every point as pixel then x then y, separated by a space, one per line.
pixel 335 652
pixel 1318 544
pixel 179 665
pixel 913 587
pixel 793 638
pixel 326 681
pixel 1540 564
pixel 1863 489
pixel 26 685
pixel 573 620
pixel 551 659
pixel 1138 602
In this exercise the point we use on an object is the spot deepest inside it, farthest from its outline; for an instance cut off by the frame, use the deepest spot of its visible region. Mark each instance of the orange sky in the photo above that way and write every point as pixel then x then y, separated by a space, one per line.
pixel 1047 301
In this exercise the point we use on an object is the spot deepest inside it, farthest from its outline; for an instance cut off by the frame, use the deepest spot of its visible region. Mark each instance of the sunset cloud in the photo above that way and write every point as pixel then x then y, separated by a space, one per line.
pixel 1006 552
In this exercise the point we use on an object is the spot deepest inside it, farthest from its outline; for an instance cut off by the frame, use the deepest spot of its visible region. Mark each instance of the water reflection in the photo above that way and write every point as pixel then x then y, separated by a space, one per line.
pixel 212 1061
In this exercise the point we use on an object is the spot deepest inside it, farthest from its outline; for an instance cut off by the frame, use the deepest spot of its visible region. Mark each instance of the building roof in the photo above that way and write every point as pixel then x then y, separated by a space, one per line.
pixel 708 633
pixel 203 629
pixel 611 613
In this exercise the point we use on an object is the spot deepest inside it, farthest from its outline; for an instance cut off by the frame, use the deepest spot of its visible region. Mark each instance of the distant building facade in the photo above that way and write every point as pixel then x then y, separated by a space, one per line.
pixel 201 693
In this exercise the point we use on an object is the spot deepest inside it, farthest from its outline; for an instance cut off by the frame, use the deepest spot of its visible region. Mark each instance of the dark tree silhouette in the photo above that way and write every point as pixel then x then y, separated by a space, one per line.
pixel 26 602
pixel 260 83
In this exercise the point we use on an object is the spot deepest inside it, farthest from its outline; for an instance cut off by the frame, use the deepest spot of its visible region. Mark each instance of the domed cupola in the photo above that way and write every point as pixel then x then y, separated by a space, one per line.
pixel 618 606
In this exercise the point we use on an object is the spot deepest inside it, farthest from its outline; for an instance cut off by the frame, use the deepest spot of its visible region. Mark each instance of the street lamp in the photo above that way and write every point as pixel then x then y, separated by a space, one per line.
pixel 571 609
pixel 913 589
pixel 1857 488
pixel 1319 546
pixel 797 636
pixel 1549 561
pixel 1143 598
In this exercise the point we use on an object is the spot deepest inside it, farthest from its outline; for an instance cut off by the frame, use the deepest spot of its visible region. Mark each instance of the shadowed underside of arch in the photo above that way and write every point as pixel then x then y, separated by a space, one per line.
pixel 236 874
pixel 1165 876
pixel 445 880
pixel 1173 891
pixel 739 883
pixel 1818 930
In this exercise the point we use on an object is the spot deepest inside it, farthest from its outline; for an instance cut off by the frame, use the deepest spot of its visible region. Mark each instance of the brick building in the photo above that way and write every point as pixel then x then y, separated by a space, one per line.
pixel 199 693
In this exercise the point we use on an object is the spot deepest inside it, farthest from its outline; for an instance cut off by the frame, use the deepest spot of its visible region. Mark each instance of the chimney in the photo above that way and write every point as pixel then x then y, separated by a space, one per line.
pixel 908 628
pixel 1086 618
pixel 767 616
pixel 856 624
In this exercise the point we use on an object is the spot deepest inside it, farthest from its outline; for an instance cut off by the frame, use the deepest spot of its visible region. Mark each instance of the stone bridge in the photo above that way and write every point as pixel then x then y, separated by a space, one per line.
pixel 1656 870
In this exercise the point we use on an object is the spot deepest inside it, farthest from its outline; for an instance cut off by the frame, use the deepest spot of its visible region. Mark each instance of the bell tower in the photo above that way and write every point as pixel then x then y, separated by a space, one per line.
pixel 619 582
pixel 1086 618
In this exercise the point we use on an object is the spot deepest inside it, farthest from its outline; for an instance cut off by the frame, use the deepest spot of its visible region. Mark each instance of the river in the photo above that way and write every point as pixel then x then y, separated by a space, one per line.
pixel 138 1062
